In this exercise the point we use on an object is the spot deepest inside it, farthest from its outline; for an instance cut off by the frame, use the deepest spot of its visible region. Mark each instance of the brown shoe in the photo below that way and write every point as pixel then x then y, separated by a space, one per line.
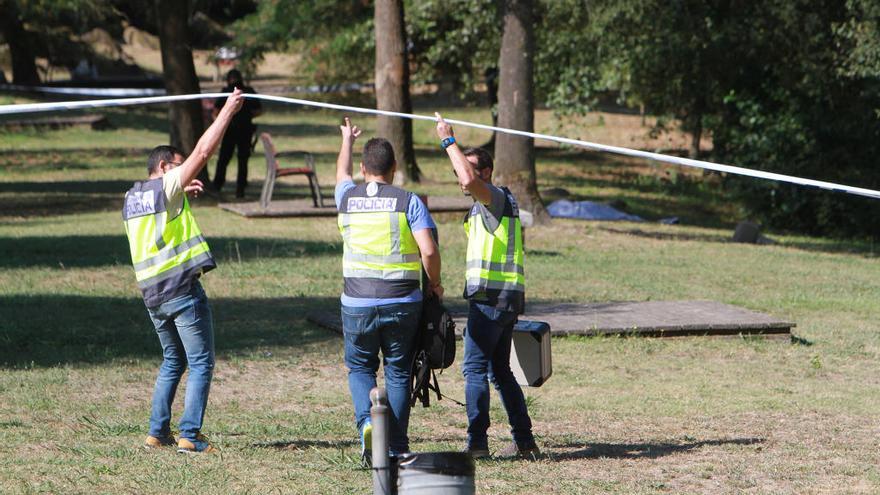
pixel 152 442
pixel 523 450
pixel 199 445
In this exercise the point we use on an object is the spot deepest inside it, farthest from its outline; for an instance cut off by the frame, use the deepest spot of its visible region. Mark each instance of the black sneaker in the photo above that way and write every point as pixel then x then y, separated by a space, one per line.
pixel 477 453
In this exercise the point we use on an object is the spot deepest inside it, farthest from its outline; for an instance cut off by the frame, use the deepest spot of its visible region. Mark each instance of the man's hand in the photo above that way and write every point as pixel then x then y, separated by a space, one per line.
pixel 195 188
pixel 444 130
pixel 435 290
pixel 349 132
pixel 343 161
pixel 234 102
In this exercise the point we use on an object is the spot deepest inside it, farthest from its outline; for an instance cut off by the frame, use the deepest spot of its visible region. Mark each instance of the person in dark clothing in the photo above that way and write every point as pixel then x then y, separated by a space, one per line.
pixel 239 134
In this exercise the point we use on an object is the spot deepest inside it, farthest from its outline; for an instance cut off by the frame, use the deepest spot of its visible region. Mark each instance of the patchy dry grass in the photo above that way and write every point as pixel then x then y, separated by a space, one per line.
pixel 691 415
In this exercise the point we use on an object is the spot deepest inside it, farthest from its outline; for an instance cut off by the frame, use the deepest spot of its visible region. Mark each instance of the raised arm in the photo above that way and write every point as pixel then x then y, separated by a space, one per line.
pixel 210 139
pixel 343 163
pixel 467 177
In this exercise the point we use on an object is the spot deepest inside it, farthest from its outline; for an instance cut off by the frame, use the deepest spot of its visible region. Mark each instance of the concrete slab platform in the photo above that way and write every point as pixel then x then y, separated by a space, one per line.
pixel 305 208
pixel 641 319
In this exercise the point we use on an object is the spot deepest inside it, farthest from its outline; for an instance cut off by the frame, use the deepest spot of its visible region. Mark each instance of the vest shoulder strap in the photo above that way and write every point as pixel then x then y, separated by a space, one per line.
pixel 491 223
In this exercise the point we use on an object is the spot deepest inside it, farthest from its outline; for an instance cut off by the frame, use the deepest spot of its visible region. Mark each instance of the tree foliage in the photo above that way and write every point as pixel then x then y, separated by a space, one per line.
pixel 334 37
pixel 859 38
pixel 791 86
pixel 453 41
pixel 51 30
pixel 804 116
pixel 788 86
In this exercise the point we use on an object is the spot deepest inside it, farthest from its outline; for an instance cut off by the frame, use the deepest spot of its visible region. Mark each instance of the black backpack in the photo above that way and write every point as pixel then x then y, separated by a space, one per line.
pixel 437 334
pixel 435 350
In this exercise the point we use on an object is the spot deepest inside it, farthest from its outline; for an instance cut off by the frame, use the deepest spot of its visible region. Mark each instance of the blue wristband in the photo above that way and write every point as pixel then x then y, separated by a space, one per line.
pixel 447 142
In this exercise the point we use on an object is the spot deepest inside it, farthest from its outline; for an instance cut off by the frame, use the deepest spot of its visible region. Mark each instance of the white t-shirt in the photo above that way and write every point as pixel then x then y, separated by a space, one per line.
pixel 174 193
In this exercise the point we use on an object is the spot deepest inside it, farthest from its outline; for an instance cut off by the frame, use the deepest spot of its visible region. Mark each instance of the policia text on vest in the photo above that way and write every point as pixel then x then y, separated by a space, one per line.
pixel 381 257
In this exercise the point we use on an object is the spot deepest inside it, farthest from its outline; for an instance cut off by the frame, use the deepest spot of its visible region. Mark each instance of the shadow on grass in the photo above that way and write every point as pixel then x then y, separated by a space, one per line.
pixel 306 444
pixel 649 195
pixel 670 236
pixel 45 155
pixel 856 247
pixel 103 250
pixel 70 187
pixel 141 119
pixel 75 197
pixel 652 207
pixel 639 450
pixel 50 204
pixel 48 198
pixel 50 330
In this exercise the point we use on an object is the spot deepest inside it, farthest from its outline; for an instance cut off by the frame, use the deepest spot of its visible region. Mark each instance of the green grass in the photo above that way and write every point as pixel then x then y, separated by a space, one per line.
pixel 620 415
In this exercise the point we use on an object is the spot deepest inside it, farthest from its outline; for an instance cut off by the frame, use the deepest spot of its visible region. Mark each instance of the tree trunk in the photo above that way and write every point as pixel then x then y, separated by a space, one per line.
pixel 491 76
pixel 696 129
pixel 24 67
pixel 514 155
pixel 392 85
pixel 179 72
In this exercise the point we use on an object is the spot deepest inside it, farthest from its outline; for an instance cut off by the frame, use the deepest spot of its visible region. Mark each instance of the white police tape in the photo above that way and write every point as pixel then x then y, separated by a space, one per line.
pixel 686 162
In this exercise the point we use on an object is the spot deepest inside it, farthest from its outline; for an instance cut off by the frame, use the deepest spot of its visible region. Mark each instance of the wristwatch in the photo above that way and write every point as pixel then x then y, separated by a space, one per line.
pixel 447 142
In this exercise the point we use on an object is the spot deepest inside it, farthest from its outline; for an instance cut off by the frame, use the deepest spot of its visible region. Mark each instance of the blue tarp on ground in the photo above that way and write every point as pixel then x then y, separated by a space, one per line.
pixel 588 210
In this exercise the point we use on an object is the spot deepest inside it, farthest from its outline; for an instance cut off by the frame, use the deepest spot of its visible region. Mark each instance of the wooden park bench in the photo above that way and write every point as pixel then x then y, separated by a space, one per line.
pixel 274 170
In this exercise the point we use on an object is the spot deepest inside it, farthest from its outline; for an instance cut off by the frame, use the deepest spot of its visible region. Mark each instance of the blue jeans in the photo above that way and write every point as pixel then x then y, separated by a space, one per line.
pixel 487 341
pixel 391 328
pixel 186 332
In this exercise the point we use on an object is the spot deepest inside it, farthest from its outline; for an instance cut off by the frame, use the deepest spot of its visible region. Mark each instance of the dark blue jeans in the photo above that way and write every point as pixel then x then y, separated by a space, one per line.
pixel 392 329
pixel 186 331
pixel 487 341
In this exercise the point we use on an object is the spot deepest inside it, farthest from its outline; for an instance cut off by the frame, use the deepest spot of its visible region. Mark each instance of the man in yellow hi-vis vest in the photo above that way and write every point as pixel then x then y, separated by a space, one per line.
pixel 495 290
pixel 169 255
pixel 387 236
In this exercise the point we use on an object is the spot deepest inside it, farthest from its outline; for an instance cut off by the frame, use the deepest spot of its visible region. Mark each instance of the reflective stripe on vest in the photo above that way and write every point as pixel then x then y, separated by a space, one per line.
pixel 381 257
pixel 495 259
pixel 166 254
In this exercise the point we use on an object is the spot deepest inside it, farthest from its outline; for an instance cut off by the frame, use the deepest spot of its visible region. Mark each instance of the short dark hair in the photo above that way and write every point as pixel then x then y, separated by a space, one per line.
pixel 378 156
pixel 234 74
pixel 160 153
pixel 484 158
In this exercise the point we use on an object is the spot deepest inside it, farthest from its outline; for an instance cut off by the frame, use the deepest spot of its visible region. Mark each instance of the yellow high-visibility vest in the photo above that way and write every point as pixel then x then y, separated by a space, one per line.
pixel 381 257
pixel 167 253
pixel 495 274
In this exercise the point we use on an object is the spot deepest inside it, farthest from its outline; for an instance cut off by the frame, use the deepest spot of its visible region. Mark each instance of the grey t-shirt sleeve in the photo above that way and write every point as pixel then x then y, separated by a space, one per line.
pixel 496 207
pixel 493 212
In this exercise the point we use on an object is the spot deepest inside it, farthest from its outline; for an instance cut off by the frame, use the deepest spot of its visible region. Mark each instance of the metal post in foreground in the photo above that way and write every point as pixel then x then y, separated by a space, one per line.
pixel 381 430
